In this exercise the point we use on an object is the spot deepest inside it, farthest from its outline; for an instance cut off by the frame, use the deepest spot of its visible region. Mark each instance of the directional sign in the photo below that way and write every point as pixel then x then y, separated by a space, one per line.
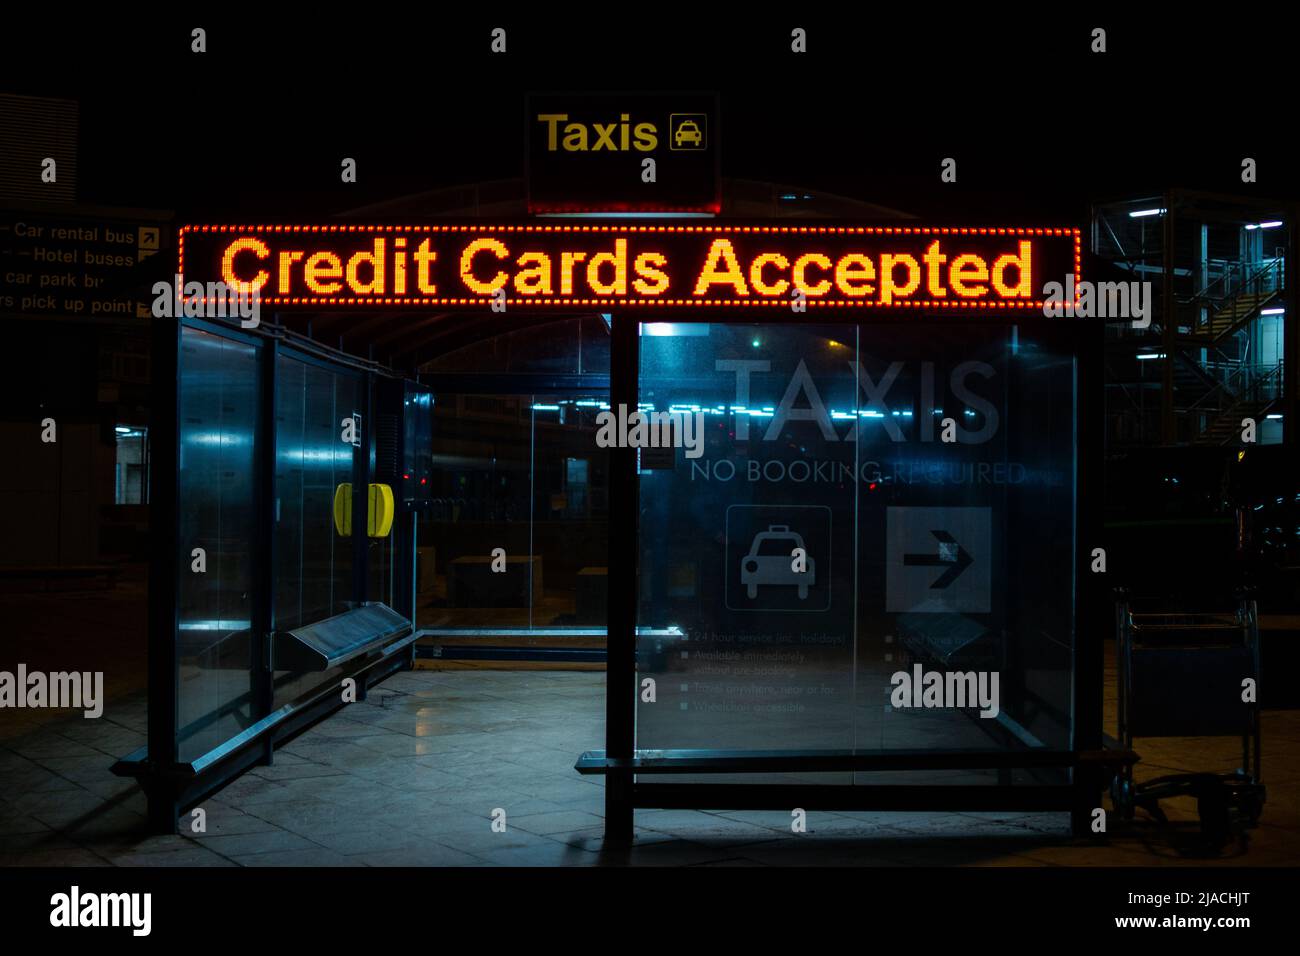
pixel 952 557
pixel 938 559
pixel 78 262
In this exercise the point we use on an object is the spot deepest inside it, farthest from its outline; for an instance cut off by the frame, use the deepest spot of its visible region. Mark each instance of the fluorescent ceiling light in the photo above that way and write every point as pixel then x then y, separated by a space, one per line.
pixel 675 328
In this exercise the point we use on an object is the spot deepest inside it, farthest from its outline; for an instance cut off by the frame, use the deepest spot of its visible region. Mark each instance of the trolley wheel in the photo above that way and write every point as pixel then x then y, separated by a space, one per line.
pixel 1216 821
pixel 1121 795
pixel 1252 804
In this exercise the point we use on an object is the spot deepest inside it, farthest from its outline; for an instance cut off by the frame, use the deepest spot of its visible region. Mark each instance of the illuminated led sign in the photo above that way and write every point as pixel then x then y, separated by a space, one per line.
pixel 468 267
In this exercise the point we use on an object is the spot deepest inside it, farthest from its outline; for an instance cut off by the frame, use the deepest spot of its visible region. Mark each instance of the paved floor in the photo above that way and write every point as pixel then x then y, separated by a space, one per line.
pixel 413 775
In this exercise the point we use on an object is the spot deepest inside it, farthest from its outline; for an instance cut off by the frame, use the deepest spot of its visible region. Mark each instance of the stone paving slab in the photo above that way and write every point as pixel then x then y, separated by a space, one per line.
pixel 413 775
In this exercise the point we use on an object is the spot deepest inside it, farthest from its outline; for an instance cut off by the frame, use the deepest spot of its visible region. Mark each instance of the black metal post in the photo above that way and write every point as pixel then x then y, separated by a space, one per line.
pixel 1091 592
pixel 167 553
pixel 262 665
pixel 1168 327
pixel 1290 405
pixel 362 469
pixel 391 400
pixel 624 508
pixel 361 494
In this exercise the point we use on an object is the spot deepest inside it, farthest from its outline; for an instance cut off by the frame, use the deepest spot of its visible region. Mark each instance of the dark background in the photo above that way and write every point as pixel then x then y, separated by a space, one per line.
pixel 1038 124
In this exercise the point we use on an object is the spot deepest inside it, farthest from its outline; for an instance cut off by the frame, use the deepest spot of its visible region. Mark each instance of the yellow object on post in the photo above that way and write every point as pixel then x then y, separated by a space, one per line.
pixel 379 518
pixel 343 509
pixel 379 511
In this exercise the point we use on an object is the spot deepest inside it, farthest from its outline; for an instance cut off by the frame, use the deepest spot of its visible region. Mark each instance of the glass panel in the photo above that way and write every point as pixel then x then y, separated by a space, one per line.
pixel 381 563
pixel 522 473
pixel 314 562
pixel 218 408
pixel 481 500
pixel 965 547
pixel 928 483
pixel 570 536
pixel 749 549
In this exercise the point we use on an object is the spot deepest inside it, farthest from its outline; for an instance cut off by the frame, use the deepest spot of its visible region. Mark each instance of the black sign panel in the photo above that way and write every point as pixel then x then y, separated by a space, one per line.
pixel 77 264
pixel 589 153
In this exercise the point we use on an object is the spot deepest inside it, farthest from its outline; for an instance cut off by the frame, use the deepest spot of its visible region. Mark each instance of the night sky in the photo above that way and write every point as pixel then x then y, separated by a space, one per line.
pixel 257 126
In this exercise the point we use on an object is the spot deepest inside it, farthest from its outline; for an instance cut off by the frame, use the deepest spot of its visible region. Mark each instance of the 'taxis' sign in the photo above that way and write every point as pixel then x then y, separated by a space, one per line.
pixel 623 152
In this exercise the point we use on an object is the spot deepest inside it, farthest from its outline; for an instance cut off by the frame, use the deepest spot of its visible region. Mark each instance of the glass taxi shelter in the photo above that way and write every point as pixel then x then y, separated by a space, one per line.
pixel 936 642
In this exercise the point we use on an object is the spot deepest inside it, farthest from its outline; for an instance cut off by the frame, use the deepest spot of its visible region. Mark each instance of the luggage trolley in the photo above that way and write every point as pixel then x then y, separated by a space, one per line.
pixel 1180 675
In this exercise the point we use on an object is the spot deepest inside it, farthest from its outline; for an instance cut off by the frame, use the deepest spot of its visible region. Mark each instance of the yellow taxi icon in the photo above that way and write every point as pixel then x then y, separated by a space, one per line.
pixel 688 135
